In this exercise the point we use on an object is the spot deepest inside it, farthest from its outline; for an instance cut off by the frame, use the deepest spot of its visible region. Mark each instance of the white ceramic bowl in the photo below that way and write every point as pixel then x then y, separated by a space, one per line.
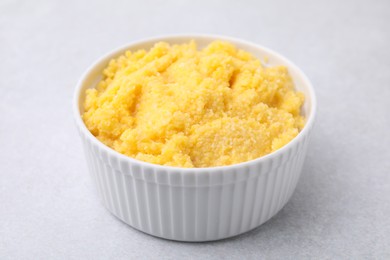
pixel 198 204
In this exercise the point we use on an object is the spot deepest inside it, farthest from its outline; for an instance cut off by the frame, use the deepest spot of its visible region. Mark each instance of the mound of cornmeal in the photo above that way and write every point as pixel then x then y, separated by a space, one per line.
pixel 178 106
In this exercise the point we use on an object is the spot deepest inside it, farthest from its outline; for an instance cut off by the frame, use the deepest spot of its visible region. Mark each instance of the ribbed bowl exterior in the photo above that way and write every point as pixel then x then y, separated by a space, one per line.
pixel 187 206
pixel 195 204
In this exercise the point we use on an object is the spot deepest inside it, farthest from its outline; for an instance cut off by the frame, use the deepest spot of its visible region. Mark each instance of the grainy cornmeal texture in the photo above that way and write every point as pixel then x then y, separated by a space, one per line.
pixel 179 106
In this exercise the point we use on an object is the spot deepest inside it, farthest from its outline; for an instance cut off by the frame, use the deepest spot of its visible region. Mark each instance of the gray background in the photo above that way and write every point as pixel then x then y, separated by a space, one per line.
pixel 48 206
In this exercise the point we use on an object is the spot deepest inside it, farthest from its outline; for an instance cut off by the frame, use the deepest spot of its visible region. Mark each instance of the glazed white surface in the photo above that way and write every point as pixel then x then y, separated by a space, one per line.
pixel 48 205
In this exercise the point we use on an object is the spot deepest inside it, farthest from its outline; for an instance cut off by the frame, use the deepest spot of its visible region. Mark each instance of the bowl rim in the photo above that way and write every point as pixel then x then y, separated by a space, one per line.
pixel 82 127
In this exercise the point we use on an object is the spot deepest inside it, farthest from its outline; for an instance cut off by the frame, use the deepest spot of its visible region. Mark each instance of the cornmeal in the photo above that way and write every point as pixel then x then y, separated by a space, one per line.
pixel 178 106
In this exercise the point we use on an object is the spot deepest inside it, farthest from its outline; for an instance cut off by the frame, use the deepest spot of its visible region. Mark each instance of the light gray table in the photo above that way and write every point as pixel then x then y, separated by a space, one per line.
pixel 48 206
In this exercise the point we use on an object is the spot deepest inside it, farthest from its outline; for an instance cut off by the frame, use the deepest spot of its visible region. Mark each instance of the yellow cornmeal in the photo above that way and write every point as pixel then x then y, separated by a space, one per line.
pixel 178 106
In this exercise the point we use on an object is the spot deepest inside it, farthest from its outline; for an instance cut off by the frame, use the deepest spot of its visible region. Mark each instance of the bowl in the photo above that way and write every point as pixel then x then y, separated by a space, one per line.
pixel 195 204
